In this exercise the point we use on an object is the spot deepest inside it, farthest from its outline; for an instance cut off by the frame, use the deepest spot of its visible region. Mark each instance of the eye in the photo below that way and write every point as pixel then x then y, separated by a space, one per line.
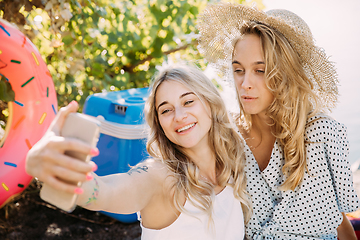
pixel 164 111
pixel 260 71
pixel 238 70
pixel 188 102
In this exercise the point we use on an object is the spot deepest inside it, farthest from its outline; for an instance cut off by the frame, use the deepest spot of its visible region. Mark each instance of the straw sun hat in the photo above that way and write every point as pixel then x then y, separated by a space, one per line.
pixel 219 24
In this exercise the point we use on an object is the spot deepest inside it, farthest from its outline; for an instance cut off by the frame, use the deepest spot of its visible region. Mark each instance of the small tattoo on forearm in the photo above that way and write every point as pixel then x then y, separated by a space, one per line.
pixel 94 195
pixel 138 170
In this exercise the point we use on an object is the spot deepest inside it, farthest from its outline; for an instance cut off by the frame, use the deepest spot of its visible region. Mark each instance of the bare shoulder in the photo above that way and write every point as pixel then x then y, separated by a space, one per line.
pixel 155 168
pixel 160 211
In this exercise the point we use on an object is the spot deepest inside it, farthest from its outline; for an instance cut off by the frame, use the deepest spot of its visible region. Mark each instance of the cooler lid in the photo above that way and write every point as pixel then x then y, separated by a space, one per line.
pixel 124 107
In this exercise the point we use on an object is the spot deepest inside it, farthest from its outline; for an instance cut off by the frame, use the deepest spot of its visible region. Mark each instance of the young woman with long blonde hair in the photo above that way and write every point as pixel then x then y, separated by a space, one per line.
pixel 297 170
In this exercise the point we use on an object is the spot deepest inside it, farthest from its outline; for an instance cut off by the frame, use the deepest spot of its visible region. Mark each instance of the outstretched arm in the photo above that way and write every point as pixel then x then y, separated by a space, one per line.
pixel 120 193
pixel 125 192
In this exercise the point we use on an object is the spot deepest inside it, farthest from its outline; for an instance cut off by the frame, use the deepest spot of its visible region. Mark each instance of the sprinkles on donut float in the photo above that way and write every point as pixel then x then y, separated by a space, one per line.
pixel 30 114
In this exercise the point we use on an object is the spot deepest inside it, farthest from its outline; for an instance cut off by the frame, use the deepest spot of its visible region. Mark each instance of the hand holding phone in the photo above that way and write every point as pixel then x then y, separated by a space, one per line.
pixel 84 128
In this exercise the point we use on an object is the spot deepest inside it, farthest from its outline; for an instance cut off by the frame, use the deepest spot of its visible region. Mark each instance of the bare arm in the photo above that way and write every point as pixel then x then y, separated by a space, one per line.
pixel 346 230
pixel 126 192
pixel 121 193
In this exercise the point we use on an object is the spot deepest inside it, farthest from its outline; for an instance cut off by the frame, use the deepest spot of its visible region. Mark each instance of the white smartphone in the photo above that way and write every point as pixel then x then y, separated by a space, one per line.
pixel 84 128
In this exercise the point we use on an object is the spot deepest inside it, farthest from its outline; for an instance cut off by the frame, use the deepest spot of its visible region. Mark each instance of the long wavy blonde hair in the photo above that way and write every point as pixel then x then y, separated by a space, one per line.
pixel 223 139
pixel 294 99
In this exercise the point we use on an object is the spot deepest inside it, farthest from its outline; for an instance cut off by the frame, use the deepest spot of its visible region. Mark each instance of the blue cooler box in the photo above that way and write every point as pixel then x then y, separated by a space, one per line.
pixel 123 132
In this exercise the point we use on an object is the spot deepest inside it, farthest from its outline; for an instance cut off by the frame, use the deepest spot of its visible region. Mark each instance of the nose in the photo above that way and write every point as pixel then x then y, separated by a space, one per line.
pixel 180 114
pixel 247 83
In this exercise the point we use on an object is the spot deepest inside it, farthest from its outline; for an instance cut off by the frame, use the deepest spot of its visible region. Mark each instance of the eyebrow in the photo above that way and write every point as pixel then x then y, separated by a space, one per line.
pixel 181 96
pixel 255 63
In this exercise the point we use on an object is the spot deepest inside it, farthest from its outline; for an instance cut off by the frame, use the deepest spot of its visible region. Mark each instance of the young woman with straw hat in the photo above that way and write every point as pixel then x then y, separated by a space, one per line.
pixel 194 185
pixel 297 170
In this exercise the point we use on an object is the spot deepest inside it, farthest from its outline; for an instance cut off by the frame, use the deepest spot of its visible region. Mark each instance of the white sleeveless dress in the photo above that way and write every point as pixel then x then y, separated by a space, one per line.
pixel 227 217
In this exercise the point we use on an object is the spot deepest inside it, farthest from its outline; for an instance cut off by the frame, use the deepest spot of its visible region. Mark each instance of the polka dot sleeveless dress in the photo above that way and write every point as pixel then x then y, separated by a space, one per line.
pixel 313 210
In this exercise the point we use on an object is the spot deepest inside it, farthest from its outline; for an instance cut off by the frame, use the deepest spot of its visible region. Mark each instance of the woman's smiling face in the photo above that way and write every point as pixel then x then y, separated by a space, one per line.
pixel 184 118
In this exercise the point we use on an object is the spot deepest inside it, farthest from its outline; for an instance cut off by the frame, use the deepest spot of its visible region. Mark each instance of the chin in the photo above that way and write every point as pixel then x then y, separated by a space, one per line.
pixel 187 145
pixel 250 112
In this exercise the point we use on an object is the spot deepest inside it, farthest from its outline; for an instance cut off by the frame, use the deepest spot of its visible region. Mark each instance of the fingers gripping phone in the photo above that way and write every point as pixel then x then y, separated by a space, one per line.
pixel 84 128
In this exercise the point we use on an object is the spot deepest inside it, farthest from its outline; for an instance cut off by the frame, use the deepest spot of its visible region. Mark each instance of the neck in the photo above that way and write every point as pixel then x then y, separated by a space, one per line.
pixel 260 132
pixel 205 160
pixel 262 122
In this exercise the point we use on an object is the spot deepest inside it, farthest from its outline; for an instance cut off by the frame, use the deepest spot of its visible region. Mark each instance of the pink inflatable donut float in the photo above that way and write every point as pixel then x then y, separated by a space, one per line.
pixel 30 114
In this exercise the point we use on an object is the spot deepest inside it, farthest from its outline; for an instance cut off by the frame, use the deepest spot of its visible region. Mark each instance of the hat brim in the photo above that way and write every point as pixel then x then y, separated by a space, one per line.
pixel 220 24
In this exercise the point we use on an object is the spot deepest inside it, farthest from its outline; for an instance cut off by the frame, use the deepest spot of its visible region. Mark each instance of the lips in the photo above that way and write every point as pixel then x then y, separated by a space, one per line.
pixel 182 129
pixel 245 97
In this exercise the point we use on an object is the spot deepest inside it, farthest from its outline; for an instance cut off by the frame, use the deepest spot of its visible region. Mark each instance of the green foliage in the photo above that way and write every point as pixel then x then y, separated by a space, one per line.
pixel 6 92
pixel 6 95
pixel 110 45
pixel 113 45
